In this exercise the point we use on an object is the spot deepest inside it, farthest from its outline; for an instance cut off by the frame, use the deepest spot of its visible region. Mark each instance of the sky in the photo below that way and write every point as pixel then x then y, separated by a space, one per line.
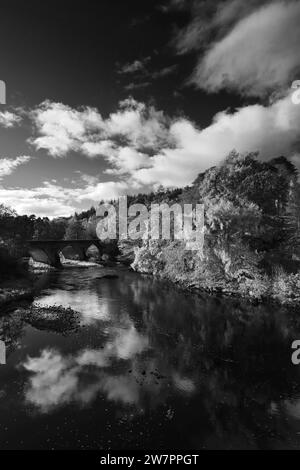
pixel 107 97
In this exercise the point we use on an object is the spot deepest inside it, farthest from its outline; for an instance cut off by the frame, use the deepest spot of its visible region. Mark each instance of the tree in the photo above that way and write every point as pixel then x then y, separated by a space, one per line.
pixel 74 230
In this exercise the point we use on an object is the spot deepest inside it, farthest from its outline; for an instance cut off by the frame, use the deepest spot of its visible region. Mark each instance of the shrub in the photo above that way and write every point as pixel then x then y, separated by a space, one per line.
pixel 285 287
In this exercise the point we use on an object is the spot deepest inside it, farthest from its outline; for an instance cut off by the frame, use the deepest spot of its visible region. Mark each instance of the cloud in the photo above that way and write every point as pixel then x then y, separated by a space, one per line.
pixel 258 56
pixel 135 66
pixel 273 130
pixel 185 150
pixel 38 201
pixel 145 75
pixel 107 190
pixel 144 147
pixel 126 160
pixel 9 119
pixel 90 179
pixel 143 126
pixel 250 47
pixel 210 21
pixel 50 200
pixel 8 165
pixel 164 72
pixel 97 148
pixel 136 86
pixel 61 129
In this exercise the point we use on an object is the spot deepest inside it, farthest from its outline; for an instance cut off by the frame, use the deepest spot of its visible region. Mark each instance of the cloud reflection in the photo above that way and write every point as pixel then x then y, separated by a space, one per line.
pixel 88 303
pixel 53 381
pixel 57 380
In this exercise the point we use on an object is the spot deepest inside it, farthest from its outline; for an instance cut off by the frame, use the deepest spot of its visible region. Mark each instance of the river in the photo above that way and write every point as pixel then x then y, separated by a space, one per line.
pixel 148 367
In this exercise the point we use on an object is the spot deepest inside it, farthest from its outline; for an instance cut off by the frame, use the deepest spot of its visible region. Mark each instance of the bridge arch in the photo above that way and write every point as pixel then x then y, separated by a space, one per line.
pixel 77 252
pixel 45 256
pixel 94 251
pixel 48 251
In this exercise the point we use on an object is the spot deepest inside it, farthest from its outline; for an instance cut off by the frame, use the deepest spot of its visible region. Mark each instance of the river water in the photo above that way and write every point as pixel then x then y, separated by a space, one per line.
pixel 147 367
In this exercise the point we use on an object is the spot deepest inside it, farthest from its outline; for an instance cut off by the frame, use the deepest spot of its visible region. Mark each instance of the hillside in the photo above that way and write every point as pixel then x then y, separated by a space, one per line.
pixel 252 221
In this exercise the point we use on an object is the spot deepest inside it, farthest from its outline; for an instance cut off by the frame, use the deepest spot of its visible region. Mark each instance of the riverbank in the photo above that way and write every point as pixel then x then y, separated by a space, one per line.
pixel 191 274
pixel 24 288
pixel 278 299
pixel 13 291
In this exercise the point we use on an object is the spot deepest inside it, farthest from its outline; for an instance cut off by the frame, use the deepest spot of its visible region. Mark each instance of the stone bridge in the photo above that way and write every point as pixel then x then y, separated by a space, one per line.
pixel 47 251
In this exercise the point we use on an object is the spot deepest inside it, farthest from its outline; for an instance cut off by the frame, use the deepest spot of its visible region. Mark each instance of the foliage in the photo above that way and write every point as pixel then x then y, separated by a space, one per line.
pixel 252 221
pixel 75 230
pixel 16 231
pixel 45 229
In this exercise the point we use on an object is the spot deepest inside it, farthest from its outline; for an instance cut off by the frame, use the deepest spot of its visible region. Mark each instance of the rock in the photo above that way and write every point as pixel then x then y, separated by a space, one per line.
pixel 106 260
pixel 52 318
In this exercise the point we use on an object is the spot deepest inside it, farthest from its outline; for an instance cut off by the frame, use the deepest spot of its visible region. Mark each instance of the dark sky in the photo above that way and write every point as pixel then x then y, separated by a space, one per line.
pixel 69 51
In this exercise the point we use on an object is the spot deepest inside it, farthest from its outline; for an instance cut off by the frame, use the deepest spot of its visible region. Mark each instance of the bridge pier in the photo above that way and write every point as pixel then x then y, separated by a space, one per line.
pixel 54 259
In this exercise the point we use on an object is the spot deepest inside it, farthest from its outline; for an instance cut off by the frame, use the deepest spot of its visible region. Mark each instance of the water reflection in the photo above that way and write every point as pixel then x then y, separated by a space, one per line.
pixel 163 369
pixel 58 379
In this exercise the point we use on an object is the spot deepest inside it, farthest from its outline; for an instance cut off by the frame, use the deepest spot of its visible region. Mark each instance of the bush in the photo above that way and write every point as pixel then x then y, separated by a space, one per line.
pixel 285 287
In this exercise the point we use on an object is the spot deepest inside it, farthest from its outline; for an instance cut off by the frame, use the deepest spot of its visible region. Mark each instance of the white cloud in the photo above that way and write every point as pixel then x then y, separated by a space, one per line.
pixel 9 119
pixel 61 129
pixel 144 147
pixel 143 126
pixel 106 190
pixel 96 149
pixel 258 55
pixel 272 130
pixel 8 165
pixel 127 160
pixel 210 21
pixel 52 200
pixel 38 201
